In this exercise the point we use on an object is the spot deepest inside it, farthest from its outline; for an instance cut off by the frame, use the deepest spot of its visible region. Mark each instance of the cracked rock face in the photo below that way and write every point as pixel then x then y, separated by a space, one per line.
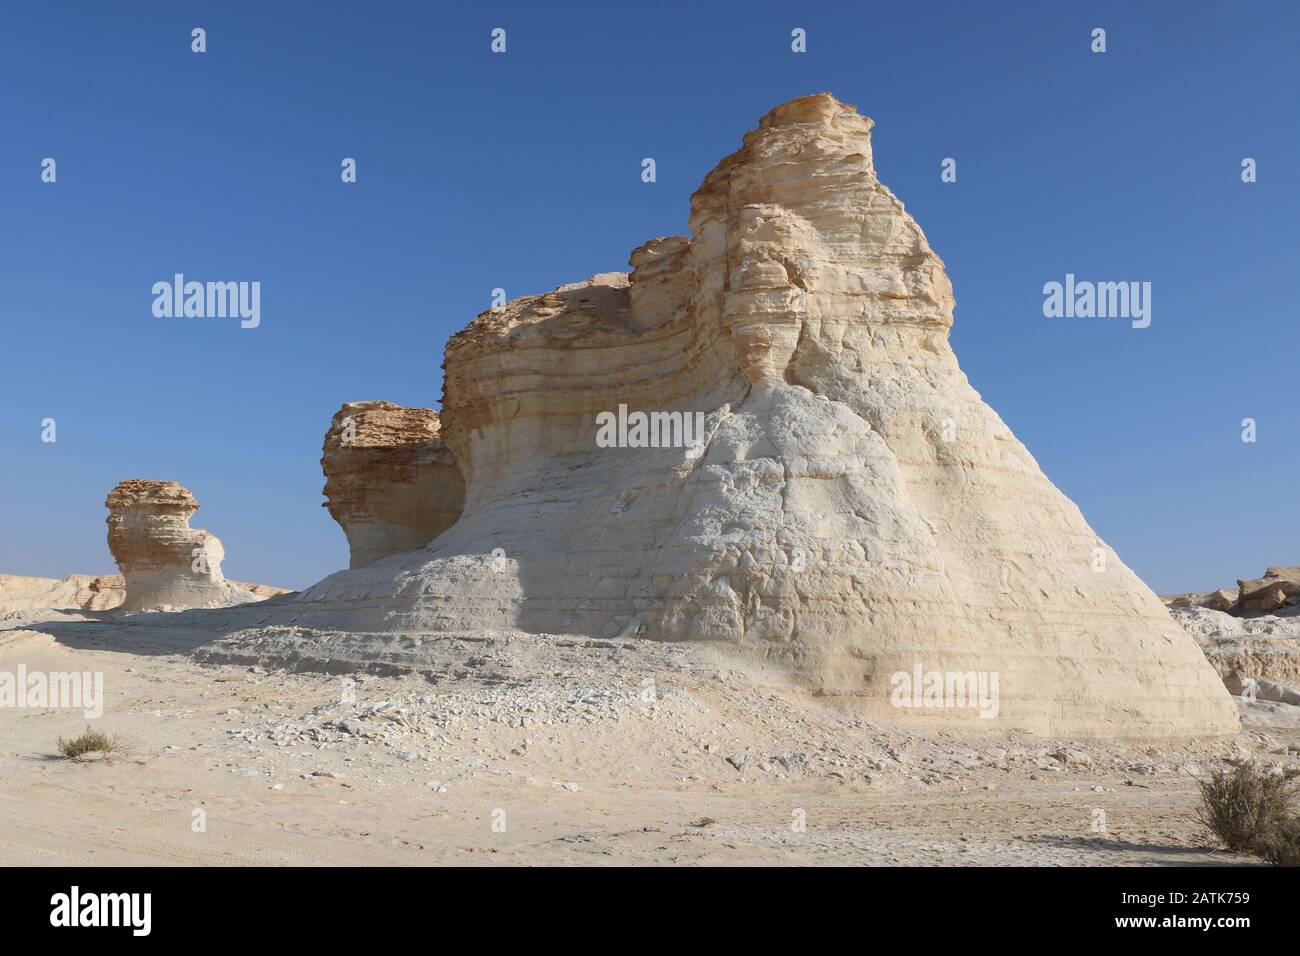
pixel 167 564
pixel 391 481
pixel 854 511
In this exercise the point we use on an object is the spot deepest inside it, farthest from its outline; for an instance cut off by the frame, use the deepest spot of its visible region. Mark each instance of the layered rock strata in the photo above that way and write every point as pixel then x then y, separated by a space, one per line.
pixel 761 437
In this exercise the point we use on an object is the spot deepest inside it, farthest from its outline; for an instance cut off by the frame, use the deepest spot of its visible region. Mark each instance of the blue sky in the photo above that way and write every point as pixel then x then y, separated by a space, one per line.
pixel 522 171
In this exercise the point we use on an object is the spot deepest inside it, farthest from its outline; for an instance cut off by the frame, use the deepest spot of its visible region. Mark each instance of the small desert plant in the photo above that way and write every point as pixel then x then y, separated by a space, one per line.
pixel 91 741
pixel 1245 808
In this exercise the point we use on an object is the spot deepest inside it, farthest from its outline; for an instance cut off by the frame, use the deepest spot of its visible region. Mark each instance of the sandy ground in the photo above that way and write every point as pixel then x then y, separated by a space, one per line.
pixel 582 763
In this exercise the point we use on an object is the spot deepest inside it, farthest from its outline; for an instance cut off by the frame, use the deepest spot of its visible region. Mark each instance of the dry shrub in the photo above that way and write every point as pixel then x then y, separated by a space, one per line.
pixel 1245 808
pixel 91 741
pixel 1281 847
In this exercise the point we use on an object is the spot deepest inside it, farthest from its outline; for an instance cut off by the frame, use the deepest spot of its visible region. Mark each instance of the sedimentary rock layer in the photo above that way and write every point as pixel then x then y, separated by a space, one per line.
pixel 391 482
pixel 854 512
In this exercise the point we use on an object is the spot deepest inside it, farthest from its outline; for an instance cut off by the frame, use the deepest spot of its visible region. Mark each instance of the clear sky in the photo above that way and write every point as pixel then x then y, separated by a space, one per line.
pixel 522 171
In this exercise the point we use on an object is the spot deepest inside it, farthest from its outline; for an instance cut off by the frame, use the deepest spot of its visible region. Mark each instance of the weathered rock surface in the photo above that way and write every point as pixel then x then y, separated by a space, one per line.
pixel 391 482
pixel 1261 688
pixel 853 511
pixel 1265 646
pixel 166 564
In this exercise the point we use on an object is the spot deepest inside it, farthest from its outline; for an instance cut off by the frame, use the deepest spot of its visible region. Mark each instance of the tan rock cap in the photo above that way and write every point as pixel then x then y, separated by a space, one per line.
pixel 390 481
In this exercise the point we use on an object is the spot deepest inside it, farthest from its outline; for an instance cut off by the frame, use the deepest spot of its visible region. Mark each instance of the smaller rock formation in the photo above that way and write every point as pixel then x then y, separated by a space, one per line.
pixel 167 564
pixel 391 482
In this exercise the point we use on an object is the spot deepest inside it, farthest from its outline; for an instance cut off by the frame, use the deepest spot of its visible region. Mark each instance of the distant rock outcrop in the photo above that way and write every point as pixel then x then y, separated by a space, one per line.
pixel 1278 589
pixel 391 481
pixel 1220 600
pixel 166 564
pixel 761 438
pixel 85 592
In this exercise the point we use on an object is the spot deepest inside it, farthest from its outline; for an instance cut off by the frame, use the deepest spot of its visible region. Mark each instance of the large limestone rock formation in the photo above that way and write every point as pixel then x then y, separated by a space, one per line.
pixel 390 480
pixel 853 511
pixel 167 564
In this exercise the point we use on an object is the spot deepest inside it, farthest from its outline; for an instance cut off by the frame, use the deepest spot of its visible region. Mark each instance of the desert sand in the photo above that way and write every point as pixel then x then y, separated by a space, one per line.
pixel 596 751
